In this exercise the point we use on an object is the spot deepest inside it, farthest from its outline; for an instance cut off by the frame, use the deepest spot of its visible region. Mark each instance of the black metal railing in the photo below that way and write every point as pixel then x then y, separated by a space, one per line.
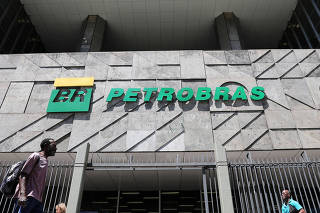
pixel 257 186
pixel 58 182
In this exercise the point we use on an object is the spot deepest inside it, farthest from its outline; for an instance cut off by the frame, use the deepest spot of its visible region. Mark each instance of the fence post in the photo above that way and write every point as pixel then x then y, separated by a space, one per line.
pixel 223 179
pixel 76 188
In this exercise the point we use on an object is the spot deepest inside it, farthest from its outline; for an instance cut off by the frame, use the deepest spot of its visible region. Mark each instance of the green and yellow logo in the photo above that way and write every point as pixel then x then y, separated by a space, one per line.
pixel 71 95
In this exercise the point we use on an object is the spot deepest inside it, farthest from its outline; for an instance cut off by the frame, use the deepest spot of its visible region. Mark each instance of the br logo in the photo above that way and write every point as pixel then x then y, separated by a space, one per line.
pixel 71 95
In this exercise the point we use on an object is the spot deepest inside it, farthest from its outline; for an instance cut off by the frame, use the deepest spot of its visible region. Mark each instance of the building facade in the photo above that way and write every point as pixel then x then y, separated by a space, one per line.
pixel 149 116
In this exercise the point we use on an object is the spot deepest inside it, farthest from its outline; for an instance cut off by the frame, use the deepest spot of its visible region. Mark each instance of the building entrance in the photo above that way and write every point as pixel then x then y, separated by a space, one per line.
pixel 136 186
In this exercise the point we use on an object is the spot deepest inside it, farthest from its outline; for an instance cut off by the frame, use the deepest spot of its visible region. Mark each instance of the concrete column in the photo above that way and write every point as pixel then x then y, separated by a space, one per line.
pixel 92 34
pixel 228 32
pixel 75 195
pixel 223 179
pixel 205 191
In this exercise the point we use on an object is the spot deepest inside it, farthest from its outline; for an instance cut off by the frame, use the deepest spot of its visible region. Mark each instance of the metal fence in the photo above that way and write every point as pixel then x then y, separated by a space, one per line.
pixel 58 182
pixel 257 186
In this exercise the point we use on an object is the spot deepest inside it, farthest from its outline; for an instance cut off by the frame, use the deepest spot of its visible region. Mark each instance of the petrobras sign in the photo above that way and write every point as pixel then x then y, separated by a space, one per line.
pixel 71 95
pixel 186 94
pixel 74 94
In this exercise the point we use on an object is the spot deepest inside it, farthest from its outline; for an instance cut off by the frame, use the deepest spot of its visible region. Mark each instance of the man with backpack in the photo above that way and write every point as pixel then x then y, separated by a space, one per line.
pixel 289 205
pixel 32 179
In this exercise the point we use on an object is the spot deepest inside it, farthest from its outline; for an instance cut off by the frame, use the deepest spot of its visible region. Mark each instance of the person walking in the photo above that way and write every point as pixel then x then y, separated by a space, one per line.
pixel 289 205
pixel 32 179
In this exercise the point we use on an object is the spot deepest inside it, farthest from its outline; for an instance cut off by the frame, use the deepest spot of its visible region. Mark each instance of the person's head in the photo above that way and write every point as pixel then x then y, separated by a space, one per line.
pixel 285 195
pixel 48 146
pixel 61 208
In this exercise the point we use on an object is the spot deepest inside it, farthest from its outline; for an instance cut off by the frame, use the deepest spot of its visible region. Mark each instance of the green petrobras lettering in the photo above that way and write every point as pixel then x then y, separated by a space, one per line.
pixel 165 92
pixel 257 93
pixel 187 97
pixel 221 91
pixel 149 92
pixel 115 93
pixel 204 93
pixel 131 94
pixel 239 94
pixel 70 100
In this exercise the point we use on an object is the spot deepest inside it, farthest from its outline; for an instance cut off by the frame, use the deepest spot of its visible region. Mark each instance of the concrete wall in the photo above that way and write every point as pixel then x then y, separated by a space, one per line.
pixel 288 119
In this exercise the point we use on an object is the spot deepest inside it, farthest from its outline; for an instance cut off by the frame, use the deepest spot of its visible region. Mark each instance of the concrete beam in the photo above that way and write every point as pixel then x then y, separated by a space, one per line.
pixel 92 34
pixel 228 32
pixel 224 184
pixel 75 195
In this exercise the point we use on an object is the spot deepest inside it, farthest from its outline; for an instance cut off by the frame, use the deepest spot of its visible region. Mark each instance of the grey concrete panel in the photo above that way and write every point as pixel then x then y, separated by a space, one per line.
pixel 135 137
pixel 169 120
pixel 252 120
pixel 280 119
pixel 306 118
pixel 303 54
pixel 279 54
pixel 20 139
pixel 265 70
pixel 168 58
pixel 64 59
pixel 298 89
pixel 224 121
pixel 39 98
pixel 196 120
pixel 80 57
pixel 295 72
pixel 219 71
pixel 15 122
pixel 16 75
pixel 47 74
pixel 5 63
pixel 242 71
pixel 99 72
pixel 47 121
pixel 310 69
pixel 4 85
pixel 42 60
pixel 114 58
pixel 16 98
pixel 192 64
pixel 260 56
pixel 230 139
pixel 87 125
pixel 263 143
pixel 120 73
pixel 143 67
pixel 73 72
pixel 177 144
pixel 237 57
pixel 113 132
pixel 310 139
pixel 118 145
pixel 214 57
pixel 142 121
pixel 32 146
pixel 275 92
pixel 284 139
pixel 149 144
pixel 169 72
pixel 314 87
pixel 165 136
pixel 288 58
pixel 198 139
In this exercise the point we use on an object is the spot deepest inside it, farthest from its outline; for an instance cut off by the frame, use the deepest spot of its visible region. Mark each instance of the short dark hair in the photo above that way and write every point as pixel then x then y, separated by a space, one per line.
pixel 45 142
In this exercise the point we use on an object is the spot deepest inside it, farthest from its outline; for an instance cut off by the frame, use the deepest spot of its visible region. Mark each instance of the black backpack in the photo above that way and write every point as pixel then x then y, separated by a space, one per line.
pixel 11 179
